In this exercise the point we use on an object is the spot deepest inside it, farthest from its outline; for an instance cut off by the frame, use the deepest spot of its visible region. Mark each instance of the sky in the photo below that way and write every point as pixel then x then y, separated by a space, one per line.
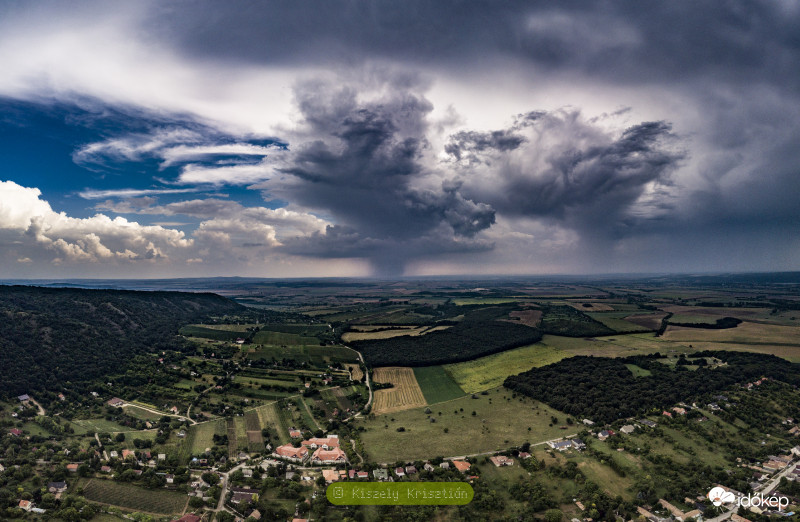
pixel 382 138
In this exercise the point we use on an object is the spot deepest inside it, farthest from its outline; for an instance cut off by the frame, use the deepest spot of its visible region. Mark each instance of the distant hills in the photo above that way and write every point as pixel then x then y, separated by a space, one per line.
pixel 49 336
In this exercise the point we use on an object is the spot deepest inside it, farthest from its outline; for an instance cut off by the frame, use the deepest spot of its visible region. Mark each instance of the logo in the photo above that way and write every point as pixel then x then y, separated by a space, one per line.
pixel 719 496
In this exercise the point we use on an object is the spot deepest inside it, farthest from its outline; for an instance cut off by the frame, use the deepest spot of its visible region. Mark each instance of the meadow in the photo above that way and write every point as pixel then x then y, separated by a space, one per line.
pixel 436 384
pixel 488 372
pixel 500 421
pixel 131 497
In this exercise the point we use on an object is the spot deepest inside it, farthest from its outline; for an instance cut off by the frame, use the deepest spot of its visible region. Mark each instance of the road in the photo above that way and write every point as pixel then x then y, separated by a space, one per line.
pixel 224 485
pixel 41 410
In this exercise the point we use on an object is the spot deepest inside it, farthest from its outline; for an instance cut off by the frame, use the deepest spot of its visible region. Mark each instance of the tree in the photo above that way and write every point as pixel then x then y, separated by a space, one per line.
pixel 553 515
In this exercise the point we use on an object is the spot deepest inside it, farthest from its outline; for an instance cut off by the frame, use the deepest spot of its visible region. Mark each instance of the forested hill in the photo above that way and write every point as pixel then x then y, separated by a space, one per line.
pixel 50 336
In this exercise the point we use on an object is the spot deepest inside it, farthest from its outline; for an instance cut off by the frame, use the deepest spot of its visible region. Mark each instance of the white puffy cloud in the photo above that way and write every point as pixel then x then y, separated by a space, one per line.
pixel 98 238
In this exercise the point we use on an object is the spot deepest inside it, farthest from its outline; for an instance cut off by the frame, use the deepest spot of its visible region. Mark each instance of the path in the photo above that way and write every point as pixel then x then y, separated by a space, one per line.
pixel 41 410
pixel 353 443
pixel 151 410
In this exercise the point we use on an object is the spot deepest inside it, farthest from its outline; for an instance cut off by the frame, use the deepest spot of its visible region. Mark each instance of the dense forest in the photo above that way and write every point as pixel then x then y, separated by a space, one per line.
pixel 53 336
pixel 478 333
pixel 605 389
pixel 566 320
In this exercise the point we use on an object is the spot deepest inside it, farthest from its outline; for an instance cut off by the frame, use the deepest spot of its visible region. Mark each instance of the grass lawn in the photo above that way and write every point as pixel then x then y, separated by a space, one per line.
pixel 638 371
pixel 499 422
pixel 436 384
pixel 100 425
pixel 135 498
pixel 488 372
pixel 140 413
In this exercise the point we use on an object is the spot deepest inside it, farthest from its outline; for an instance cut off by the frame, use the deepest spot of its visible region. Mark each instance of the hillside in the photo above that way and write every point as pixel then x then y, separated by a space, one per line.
pixel 51 336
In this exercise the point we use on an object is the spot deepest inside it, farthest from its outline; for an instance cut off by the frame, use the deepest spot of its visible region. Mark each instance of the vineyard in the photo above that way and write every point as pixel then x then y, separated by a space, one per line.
pixel 255 441
pixel 135 498
pixel 270 417
pixel 405 394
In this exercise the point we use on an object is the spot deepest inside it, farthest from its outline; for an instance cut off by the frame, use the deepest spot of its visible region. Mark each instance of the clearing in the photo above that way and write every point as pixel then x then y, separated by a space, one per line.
pixel 405 394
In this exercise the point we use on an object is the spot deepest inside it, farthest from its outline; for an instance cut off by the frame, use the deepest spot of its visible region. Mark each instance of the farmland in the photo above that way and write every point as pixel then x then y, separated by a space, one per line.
pixel 436 384
pixel 488 372
pixel 131 497
pixel 500 421
pixel 405 393
pixel 384 332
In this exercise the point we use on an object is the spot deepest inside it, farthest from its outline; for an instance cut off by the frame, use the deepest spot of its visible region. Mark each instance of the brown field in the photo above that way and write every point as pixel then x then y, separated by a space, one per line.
pixel 746 332
pixel 372 333
pixel 651 321
pixel 355 372
pixel 526 317
pixel 405 395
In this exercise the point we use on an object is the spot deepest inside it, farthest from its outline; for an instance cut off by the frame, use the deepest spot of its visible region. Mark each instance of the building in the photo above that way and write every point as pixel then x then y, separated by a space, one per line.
pixel 603 435
pixel 57 487
pixel 628 429
pixel 24 398
pixel 462 465
pixel 27 505
pixel 380 474
pixel 15 432
pixel 330 475
pixel 329 442
pixel 648 423
pixel 501 460
pixel 72 468
pixel 331 456
pixel 295 434
pixel 578 444
pixel 400 472
pixel 243 495
pixel 116 402
pixel 560 445
pixel 289 452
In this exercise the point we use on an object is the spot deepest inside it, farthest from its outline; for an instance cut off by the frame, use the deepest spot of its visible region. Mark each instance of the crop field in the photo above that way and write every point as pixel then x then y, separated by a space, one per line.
pixel 649 321
pixel 131 497
pixel 201 436
pixel 283 339
pixel 616 346
pixel 488 372
pixel 405 394
pixel 484 300
pixel 318 355
pixel 746 332
pixel 436 384
pixel 500 421
pixel 591 307
pixel 100 425
pixel 209 333
pixel 140 413
pixel 377 333
pixel 617 321
pixel 255 441
pixel 269 417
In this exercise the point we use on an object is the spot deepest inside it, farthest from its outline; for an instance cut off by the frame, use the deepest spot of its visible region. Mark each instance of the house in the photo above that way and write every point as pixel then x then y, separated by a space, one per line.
pixel 2 468
pixel 255 515
pixel 400 472
pixel 525 455
pixel 795 431
pixel 560 445
pixel 116 402
pixel 588 422
pixel 329 442
pixel 24 398
pixel 57 487
pixel 665 413
pixel 247 472
pixel 61 397
pixel 95 394
pixel 105 469
pixel 351 474
pixel 295 434
pixel 380 474
pixel 796 451
pixel 243 495
pixel 243 456
pixel 462 465
pixel 15 432
pixel 170 478
pixel 603 435
pixel 501 460
pixel 444 465
pixel 411 470
pixel 679 411
pixel 648 423
pixel 578 444
pixel 628 429
pixel 362 475
pixel 72 468
pixel 162 456
pixel 182 434
pixel 126 454
pixel 289 452
pixel 428 466
pixel 27 505
pixel 332 456
pixel 330 475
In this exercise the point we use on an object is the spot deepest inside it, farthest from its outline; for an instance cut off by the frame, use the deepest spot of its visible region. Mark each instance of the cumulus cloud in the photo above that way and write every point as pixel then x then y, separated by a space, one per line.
pixel 69 239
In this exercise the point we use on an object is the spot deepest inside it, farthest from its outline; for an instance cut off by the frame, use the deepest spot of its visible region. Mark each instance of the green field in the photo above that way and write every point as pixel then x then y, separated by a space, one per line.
pixel 201 436
pixel 139 413
pixel 500 421
pixel 490 371
pixel 312 354
pixel 209 333
pixel 638 371
pixel 436 384
pixel 616 321
pixel 283 338
pixel 100 425
pixel 132 497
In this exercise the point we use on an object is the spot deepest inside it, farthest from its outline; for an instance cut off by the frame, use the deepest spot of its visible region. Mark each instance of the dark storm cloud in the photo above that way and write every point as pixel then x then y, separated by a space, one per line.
pixel 364 164
pixel 572 171
pixel 630 40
